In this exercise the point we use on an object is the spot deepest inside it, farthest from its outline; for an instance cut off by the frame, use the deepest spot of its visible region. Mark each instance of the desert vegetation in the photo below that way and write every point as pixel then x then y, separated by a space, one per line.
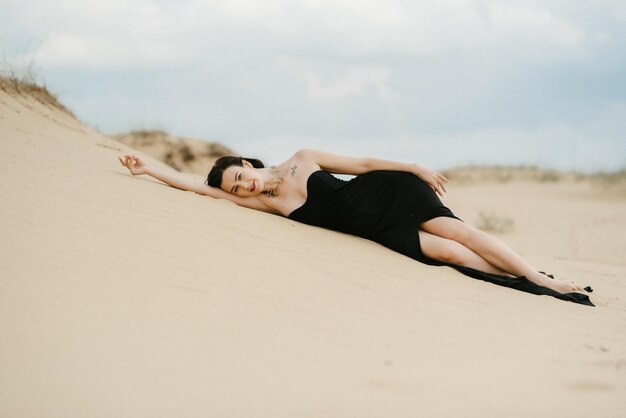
pixel 16 84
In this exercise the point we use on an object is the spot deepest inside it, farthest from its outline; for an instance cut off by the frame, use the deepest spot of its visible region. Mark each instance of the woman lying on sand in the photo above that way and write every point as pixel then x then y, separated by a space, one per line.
pixel 392 203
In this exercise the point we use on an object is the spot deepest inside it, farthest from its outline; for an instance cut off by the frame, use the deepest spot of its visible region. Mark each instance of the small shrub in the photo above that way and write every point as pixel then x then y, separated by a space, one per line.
pixel 549 176
pixel 493 223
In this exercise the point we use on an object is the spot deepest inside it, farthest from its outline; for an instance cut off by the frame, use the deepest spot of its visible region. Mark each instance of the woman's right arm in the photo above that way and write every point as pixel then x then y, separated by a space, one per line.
pixel 137 166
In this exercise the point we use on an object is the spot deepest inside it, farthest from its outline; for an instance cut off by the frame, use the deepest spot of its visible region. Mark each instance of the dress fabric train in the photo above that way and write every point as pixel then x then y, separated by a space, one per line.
pixel 388 207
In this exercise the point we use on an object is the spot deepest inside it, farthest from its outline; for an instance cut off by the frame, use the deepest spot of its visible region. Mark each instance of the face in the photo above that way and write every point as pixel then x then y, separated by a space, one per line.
pixel 242 181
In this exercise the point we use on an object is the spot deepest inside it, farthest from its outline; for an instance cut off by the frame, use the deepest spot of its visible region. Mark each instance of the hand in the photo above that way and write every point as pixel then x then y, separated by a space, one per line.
pixel 134 164
pixel 435 180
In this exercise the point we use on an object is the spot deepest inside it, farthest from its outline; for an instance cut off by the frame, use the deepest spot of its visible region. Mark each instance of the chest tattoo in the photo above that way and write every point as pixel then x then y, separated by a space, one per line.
pixel 292 169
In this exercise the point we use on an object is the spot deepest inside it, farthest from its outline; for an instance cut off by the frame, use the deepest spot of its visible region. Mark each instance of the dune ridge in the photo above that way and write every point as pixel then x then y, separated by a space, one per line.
pixel 189 155
pixel 120 296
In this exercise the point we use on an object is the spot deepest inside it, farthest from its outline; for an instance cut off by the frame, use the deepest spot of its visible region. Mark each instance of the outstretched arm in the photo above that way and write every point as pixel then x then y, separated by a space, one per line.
pixel 137 166
pixel 354 165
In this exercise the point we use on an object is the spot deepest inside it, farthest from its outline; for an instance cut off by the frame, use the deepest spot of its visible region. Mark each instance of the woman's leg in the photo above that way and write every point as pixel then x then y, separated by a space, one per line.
pixel 449 251
pixel 494 251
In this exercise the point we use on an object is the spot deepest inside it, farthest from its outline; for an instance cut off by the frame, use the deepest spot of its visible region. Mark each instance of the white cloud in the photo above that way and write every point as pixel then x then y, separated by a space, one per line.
pixel 118 32
pixel 95 52
pixel 339 82
pixel 536 30
pixel 100 34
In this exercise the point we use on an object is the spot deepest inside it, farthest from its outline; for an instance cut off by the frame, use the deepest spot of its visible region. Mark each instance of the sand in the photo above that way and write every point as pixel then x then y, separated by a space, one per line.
pixel 123 297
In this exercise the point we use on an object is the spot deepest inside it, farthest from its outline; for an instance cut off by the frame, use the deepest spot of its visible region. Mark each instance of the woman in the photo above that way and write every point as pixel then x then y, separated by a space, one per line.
pixel 392 203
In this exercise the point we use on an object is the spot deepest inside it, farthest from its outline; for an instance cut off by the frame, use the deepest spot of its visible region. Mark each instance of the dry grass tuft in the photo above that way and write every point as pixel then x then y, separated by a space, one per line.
pixel 25 85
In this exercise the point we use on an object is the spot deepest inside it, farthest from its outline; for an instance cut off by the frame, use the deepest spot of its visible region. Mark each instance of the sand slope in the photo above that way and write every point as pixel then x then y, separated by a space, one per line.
pixel 122 297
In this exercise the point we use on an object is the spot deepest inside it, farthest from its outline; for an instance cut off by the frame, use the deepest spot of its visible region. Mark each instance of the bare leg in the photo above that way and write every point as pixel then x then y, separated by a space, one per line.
pixel 494 251
pixel 449 251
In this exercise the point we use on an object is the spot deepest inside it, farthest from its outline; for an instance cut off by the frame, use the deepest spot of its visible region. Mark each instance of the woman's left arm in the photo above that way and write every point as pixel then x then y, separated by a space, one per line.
pixel 354 165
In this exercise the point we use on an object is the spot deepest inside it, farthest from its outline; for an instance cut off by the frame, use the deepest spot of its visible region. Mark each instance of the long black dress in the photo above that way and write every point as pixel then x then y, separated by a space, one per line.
pixel 388 207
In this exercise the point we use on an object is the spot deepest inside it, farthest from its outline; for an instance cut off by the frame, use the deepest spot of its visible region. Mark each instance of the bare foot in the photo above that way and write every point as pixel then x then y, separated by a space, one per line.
pixel 558 284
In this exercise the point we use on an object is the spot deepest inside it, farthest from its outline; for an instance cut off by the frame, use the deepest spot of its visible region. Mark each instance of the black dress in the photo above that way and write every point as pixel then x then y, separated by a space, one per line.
pixel 388 207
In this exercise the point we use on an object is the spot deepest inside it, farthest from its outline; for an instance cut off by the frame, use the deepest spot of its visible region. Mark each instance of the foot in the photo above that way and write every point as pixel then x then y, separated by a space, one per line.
pixel 558 284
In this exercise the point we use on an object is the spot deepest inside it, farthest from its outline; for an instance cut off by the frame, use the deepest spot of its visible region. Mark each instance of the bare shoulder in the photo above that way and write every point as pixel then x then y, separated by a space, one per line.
pixel 303 161
pixel 304 155
pixel 314 159
pixel 334 163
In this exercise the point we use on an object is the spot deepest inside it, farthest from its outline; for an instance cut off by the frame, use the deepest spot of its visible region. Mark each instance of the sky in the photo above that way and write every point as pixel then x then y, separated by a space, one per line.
pixel 438 83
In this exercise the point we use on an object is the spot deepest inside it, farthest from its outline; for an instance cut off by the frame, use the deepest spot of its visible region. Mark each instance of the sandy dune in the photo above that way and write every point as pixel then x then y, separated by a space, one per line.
pixel 122 297
pixel 189 155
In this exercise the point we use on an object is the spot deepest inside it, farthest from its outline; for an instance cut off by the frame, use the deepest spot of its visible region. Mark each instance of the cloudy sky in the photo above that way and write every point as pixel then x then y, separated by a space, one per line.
pixel 440 83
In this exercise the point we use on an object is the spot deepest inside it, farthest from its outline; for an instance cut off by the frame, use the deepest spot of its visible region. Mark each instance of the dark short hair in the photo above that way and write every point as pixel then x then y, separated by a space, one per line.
pixel 214 179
